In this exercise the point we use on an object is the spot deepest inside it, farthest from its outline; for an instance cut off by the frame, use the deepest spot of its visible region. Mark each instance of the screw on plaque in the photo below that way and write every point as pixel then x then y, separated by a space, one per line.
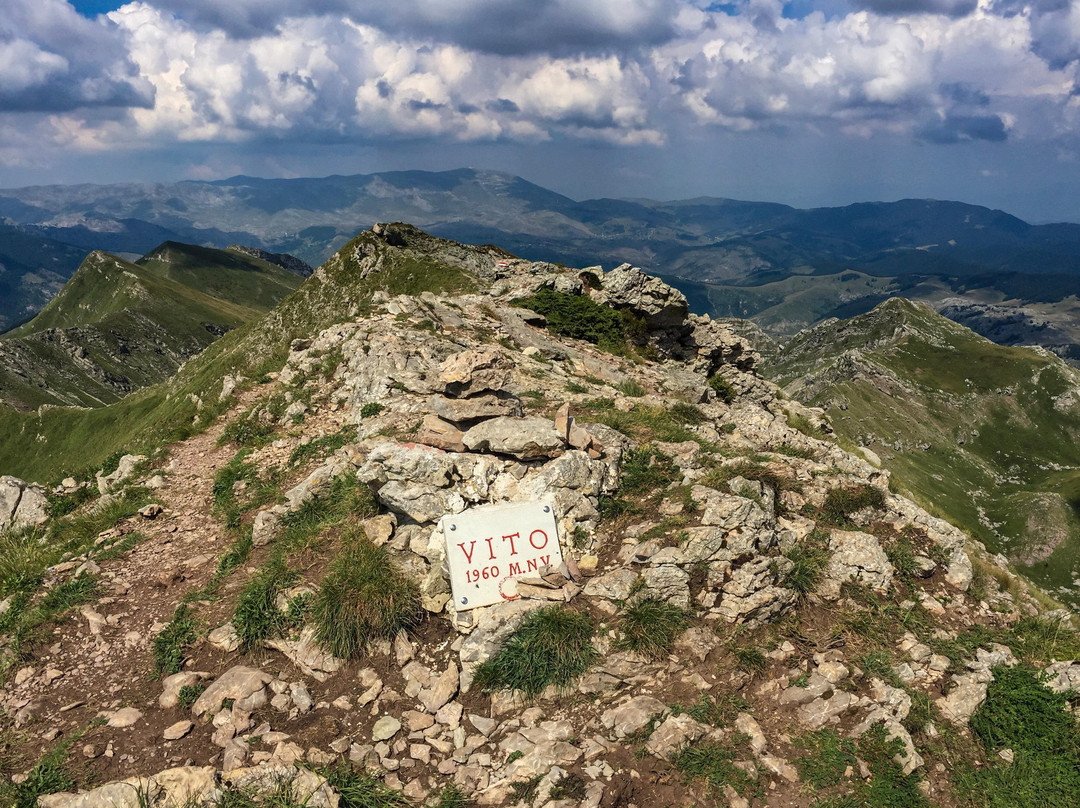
pixel 453 527
pixel 464 600
pixel 547 509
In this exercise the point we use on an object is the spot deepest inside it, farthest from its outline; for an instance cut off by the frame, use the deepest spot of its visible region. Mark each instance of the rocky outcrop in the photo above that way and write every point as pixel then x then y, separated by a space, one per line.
pixel 22 504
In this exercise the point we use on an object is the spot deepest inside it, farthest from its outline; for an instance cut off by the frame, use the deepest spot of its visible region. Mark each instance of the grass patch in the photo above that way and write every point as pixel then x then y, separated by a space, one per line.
pixel 719 476
pixel 170 644
pixel 370 409
pixel 551 646
pixel 650 627
pixel 257 616
pixel 645 470
pixel 363 598
pixel 750 659
pixel 450 796
pixel 363 790
pixel 630 388
pixel 48 777
pixel 575 387
pixel 246 430
pixel 808 561
pixel 825 758
pixel 840 503
pixel 719 711
pixel 715 764
pixel 322 447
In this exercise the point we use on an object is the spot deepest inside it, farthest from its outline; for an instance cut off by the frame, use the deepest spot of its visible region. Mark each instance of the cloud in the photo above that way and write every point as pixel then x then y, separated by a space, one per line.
pixel 505 27
pixel 949 8
pixel 959 128
pixel 54 60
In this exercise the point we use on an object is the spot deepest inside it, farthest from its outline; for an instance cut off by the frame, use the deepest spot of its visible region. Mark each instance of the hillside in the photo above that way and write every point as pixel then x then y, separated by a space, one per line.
pixel 986 435
pixel 117 326
pixel 32 270
pixel 259 611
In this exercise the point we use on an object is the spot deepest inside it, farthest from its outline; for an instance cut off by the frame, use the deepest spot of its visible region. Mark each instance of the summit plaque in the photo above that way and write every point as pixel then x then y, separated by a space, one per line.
pixel 490 546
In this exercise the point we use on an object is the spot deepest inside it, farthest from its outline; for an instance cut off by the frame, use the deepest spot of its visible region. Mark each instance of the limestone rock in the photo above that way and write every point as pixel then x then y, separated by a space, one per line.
pixel 305 652
pixel 22 504
pixel 627 287
pixel 237 683
pixel 859 557
pixel 434 431
pixel 634 715
pixel 527 438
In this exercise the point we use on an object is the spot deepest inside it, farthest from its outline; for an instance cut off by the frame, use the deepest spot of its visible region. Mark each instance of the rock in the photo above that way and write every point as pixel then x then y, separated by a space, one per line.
pixel 856 556
pixel 444 689
pixel 124 718
pixel 434 431
pixel 633 715
pixel 303 785
pixel 746 724
pixel 127 466
pixel 627 287
pixel 266 526
pixel 487 405
pixel 385 728
pixel 669 583
pixel 527 438
pixel 961 702
pixel 170 696
pixel 224 638
pixel 614 585
pixel 178 730
pixel 237 683
pixel 151 511
pixel 1063 677
pixel 301 697
pixel 673 734
pixel 379 529
pixel 474 371
pixel 305 652
pixel 22 504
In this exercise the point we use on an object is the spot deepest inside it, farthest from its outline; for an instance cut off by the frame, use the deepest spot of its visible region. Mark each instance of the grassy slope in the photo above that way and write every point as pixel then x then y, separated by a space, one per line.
pixel 44 446
pixel 988 436
pixel 134 323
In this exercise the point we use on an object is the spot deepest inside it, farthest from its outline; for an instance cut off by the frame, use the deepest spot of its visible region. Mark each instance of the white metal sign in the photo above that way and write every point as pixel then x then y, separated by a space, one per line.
pixel 490 546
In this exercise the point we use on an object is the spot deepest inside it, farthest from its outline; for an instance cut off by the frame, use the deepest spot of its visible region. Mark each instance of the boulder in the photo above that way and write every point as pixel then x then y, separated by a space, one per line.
pixel 237 683
pixel 528 438
pixel 661 305
pixel 633 715
pixel 434 431
pixel 859 557
pixel 485 405
pixel 124 470
pixel 22 504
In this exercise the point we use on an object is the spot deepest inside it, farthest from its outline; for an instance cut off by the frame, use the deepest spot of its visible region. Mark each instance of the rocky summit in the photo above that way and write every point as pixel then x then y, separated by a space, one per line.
pixel 744 614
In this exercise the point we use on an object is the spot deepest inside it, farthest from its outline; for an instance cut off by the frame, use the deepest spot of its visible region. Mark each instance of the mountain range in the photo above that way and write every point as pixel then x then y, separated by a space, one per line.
pixel 784 267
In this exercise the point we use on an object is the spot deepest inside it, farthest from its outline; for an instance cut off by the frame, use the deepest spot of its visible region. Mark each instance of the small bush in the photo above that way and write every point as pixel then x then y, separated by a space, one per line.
pixel 188 695
pixel 687 413
pixel 371 409
pixel 363 790
pixel 246 429
pixel 552 646
pixel 614 507
pixel 170 644
pixel 650 627
pixel 363 598
pixel 840 503
pixel 579 317
pixel 722 387
pixel 47 777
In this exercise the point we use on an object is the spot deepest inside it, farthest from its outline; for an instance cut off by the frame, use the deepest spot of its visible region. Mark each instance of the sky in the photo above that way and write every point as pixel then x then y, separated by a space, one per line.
pixel 812 102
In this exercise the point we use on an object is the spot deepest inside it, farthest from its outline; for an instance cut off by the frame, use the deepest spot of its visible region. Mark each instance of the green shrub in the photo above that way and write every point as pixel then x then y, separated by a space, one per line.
pixel 840 503
pixel 722 387
pixel 371 409
pixel 363 598
pixel 170 644
pixel 579 317
pixel 650 627
pixel 188 695
pixel 321 447
pixel 47 777
pixel 551 646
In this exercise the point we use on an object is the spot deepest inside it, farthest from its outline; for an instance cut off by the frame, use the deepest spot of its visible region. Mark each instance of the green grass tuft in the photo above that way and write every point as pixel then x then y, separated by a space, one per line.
pixel 363 598
pixel 840 503
pixel 579 317
pixel 808 561
pixel 650 627
pixel 552 646
pixel 170 644
pixel 722 387
pixel 645 470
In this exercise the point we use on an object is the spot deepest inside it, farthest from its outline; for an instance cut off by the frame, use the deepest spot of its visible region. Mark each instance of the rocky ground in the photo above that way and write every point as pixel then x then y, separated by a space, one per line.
pixel 677 478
